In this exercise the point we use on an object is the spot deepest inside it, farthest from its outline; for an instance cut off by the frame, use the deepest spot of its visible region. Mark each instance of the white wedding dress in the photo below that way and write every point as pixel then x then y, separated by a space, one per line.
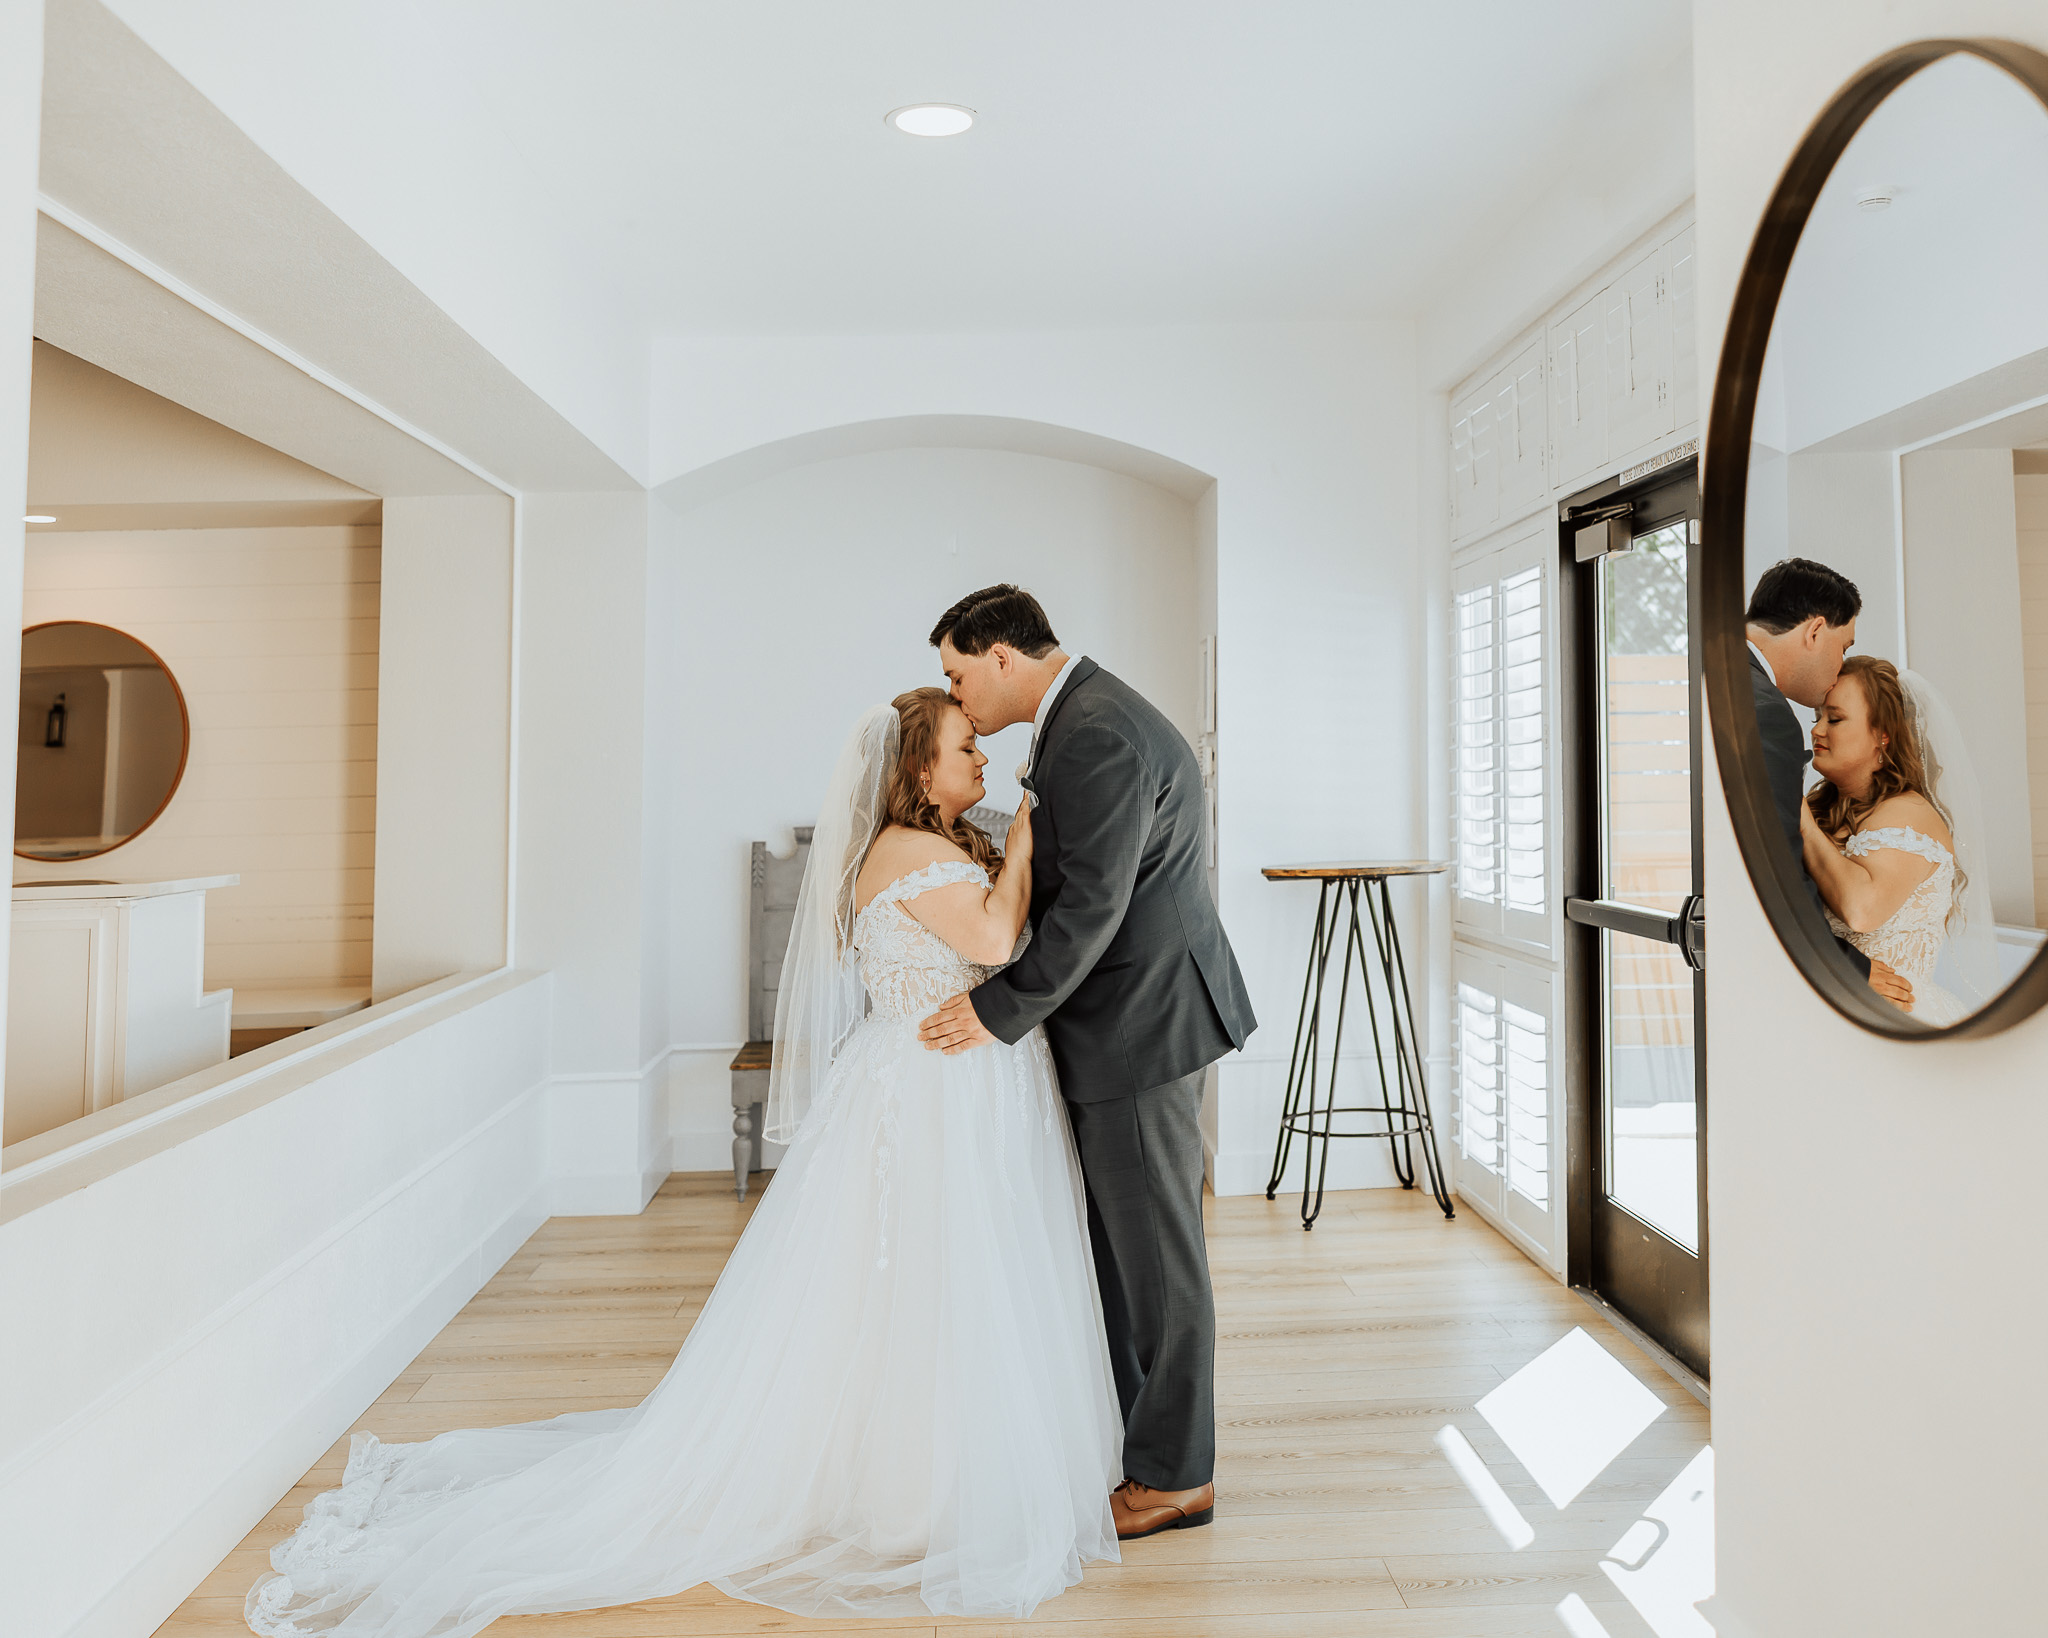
pixel 1911 938
pixel 896 1403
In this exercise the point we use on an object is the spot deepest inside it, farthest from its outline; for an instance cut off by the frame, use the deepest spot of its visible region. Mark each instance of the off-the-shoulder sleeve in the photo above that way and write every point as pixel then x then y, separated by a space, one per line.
pixel 1898 839
pixel 946 873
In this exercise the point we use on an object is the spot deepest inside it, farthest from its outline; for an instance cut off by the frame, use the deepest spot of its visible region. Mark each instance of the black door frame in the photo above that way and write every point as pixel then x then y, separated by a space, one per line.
pixel 1626 1265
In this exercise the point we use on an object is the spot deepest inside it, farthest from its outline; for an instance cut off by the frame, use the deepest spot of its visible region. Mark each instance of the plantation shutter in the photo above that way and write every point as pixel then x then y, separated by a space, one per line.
pixel 1504 798
pixel 1506 1070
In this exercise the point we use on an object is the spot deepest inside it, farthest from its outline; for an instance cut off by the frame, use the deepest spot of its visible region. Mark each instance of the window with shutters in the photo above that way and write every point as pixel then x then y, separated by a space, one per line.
pixel 1476 1053
pixel 1504 1042
pixel 1504 795
pixel 1478 758
pixel 1525 1056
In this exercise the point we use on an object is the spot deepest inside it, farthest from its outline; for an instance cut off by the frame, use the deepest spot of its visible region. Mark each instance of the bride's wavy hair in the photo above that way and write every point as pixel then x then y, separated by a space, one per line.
pixel 1902 763
pixel 919 714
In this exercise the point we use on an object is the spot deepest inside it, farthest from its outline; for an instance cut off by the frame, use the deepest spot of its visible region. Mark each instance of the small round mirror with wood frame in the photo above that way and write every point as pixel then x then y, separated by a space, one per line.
pixel 1874 584
pixel 102 743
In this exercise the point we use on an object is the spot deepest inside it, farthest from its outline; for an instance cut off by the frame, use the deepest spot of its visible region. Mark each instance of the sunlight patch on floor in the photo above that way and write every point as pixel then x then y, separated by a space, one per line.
pixel 1566 1416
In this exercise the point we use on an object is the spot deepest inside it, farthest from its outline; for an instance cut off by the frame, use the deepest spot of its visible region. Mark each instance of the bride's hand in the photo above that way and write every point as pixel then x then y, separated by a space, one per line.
pixel 1895 987
pixel 1809 827
pixel 1017 844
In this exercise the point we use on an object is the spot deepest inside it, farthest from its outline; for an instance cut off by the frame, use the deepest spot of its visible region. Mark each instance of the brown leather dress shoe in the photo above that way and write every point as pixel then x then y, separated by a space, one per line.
pixel 1142 1511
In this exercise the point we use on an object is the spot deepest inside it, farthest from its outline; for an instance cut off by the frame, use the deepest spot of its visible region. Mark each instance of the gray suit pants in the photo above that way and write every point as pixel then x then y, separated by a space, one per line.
pixel 1141 1158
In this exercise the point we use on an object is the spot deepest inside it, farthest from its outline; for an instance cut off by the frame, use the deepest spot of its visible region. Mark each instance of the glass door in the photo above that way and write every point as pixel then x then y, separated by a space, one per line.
pixel 1639 929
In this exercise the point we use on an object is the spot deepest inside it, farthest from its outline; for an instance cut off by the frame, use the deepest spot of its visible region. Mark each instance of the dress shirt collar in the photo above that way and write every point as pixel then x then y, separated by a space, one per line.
pixel 1766 664
pixel 1052 692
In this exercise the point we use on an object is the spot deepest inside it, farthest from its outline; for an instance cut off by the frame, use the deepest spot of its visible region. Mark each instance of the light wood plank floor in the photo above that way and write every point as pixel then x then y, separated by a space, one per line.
pixel 1340 1355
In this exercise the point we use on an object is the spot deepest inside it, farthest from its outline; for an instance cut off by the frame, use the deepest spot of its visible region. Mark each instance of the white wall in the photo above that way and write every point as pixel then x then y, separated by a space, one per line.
pixel 798 601
pixel 580 875
pixel 1842 511
pixel 443 738
pixel 1600 196
pixel 21 55
pixel 272 636
pixel 2030 505
pixel 1310 433
pixel 1877 1332
pixel 199 1305
pixel 1963 630
pixel 1884 309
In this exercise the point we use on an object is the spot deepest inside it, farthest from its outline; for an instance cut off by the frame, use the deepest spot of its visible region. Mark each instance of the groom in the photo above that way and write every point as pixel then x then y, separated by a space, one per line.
pixel 1130 973
pixel 1801 621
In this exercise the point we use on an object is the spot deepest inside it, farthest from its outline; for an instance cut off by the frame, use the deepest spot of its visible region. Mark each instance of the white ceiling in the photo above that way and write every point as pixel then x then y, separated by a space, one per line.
pixel 625 169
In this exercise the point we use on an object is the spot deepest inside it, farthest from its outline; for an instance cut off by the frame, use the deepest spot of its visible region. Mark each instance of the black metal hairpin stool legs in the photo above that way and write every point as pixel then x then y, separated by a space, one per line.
pixel 1310 1109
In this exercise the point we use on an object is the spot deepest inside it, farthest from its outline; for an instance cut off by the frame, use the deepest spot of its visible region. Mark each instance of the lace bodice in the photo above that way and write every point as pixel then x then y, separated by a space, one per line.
pixel 908 969
pixel 1910 940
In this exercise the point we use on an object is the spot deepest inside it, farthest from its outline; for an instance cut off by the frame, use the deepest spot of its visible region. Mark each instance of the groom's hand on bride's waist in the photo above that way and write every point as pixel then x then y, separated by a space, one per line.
pixel 955 1027
pixel 1898 991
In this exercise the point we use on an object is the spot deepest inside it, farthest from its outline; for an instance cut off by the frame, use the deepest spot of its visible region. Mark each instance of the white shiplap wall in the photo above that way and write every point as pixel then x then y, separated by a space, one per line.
pixel 272 635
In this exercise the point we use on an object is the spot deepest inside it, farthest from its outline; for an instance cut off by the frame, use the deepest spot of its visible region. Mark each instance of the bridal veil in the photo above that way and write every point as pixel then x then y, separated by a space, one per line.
pixel 1969 961
pixel 819 999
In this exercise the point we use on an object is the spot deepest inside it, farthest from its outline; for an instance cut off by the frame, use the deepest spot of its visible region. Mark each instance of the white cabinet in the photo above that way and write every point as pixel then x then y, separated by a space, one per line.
pixel 1636 325
pixel 1612 381
pixel 106 997
pixel 1578 394
pixel 1475 473
pixel 1624 367
pixel 1499 462
pixel 1685 322
pixel 1519 421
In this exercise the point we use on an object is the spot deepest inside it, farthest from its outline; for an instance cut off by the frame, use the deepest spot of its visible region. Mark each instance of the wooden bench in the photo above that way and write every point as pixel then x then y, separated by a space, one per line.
pixel 771 909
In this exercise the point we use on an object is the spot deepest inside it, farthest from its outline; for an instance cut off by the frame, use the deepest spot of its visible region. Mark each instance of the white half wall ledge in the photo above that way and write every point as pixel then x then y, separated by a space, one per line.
pixel 233 1297
pixel 1021 437
pixel 72 1157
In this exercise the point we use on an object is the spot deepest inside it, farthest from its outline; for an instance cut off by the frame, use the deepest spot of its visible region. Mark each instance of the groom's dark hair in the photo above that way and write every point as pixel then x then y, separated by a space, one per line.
pixel 1794 591
pixel 997 614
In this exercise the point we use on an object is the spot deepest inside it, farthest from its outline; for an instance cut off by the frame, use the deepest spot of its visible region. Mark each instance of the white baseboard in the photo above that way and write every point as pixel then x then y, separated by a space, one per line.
pixel 610 1142
pixel 144 1597
pixel 606 1194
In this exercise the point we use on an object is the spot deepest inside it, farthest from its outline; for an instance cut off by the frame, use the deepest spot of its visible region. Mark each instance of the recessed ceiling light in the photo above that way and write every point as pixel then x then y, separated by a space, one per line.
pixel 1874 198
pixel 931 119
pixel 38 517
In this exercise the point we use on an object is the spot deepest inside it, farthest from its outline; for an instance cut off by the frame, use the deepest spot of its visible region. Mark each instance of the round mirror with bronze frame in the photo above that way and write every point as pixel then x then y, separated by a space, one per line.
pixel 103 741
pixel 1774 868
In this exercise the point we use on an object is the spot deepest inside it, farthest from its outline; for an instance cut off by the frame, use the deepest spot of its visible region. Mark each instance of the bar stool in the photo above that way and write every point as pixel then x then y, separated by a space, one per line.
pixel 1311 1106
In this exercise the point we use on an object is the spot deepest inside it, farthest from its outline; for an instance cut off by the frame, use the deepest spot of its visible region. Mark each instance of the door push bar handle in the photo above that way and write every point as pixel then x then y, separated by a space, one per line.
pixel 1618 917
pixel 1692 932
pixel 1687 929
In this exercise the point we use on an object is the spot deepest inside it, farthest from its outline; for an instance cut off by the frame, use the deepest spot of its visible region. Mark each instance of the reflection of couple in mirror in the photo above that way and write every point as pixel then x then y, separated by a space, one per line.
pixel 1890 825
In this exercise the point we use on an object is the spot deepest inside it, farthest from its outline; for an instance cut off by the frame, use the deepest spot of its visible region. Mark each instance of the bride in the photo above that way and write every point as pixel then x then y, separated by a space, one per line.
pixel 1889 831
pixel 897 1401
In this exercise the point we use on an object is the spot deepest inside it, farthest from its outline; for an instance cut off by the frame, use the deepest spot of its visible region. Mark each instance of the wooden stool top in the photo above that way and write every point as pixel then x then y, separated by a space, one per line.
pixel 1376 869
pixel 754 1055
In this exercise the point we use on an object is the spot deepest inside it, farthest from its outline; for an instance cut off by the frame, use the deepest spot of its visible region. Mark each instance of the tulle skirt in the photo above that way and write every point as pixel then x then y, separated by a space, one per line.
pixel 896 1402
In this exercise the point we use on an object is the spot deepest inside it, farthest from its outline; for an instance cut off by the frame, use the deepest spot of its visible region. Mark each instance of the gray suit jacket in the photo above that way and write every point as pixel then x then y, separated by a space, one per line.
pixel 1128 967
pixel 1785 759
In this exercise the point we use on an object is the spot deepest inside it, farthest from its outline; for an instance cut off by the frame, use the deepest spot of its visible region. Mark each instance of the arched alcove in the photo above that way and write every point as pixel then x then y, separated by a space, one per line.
pixel 1022 437
pixel 795 584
